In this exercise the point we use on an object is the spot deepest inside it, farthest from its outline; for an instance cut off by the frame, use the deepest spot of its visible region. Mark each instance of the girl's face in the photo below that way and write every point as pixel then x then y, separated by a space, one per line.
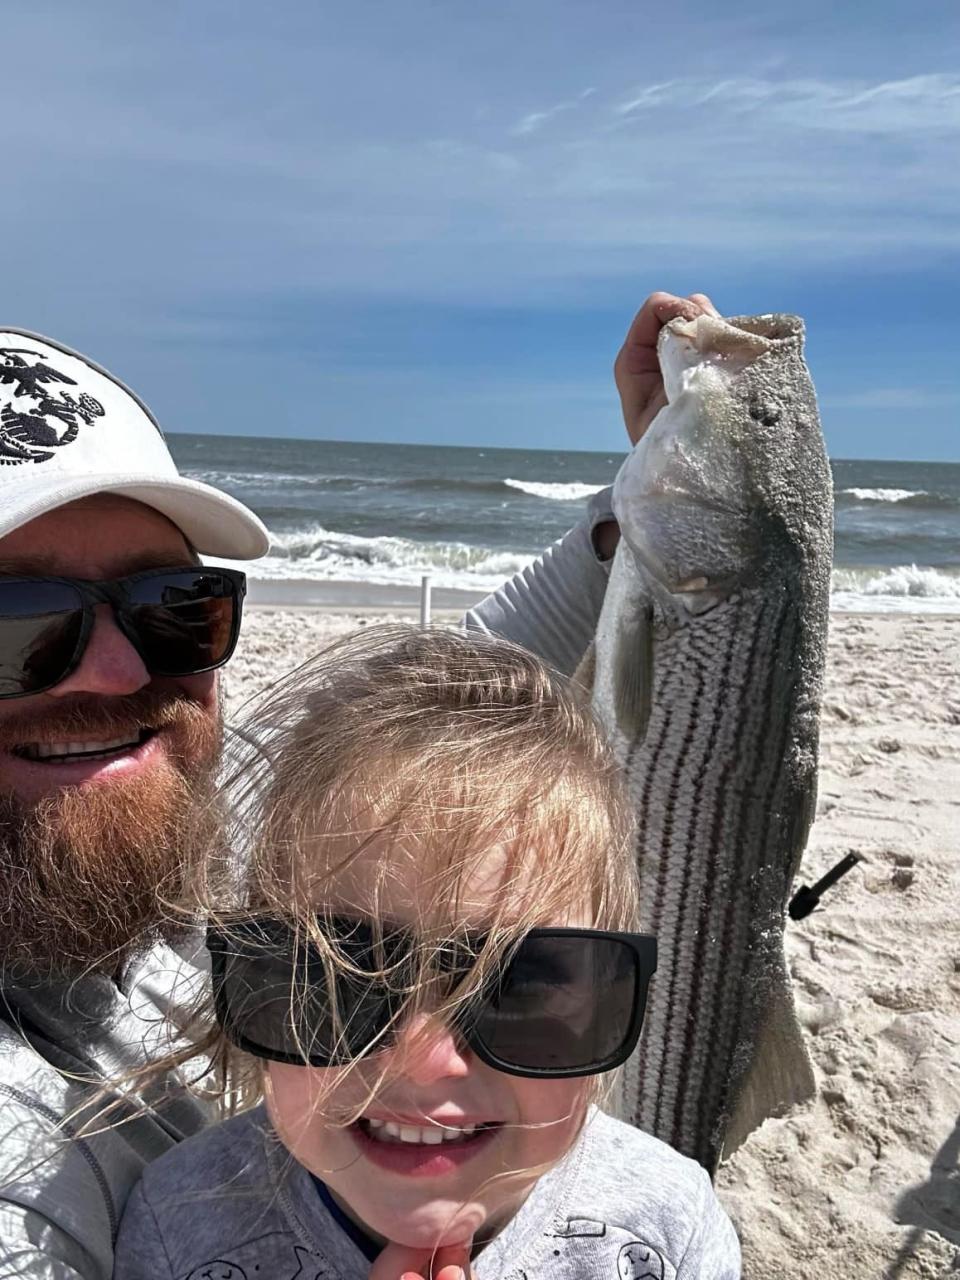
pixel 448 1147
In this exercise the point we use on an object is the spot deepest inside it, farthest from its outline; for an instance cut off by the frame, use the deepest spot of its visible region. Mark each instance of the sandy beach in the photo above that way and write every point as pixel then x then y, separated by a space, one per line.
pixel 865 1181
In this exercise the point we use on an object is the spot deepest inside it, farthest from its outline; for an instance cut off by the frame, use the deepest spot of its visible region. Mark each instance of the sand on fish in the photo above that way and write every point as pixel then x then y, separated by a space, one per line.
pixel 865 1180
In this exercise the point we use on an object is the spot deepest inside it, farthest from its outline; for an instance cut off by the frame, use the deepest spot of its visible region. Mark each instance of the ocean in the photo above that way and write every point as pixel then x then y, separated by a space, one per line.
pixel 382 515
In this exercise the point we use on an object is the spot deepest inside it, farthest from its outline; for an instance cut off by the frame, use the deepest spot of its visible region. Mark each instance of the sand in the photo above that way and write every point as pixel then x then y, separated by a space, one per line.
pixel 865 1180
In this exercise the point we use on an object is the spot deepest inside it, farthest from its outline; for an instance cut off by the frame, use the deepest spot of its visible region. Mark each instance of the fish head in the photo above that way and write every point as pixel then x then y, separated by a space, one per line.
pixel 694 498
pixel 686 346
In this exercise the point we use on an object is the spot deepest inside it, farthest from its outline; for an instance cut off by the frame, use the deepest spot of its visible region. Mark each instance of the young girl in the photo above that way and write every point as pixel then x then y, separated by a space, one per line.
pixel 424 972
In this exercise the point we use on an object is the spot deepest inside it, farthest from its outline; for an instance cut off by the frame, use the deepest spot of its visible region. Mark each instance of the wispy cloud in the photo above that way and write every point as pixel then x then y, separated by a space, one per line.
pixel 531 122
pixel 919 103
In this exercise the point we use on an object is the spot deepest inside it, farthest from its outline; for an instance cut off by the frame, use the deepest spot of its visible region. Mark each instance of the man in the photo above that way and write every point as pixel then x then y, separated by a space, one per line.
pixel 110 638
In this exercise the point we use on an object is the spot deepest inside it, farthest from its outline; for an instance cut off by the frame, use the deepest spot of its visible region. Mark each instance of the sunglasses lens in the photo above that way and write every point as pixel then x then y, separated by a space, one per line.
pixel 185 622
pixel 564 1004
pixel 40 626
pixel 274 998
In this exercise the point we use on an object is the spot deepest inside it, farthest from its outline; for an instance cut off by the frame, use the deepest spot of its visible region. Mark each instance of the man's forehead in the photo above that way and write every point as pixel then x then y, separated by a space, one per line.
pixel 106 535
pixel 51 564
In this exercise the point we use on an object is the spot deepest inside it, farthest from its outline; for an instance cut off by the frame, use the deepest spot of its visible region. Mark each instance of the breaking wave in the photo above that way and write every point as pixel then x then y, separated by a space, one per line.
pixel 570 492
pixel 323 555
pixel 900 588
pixel 920 499
pixel 280 480
pixel 884 495
pixel 277 482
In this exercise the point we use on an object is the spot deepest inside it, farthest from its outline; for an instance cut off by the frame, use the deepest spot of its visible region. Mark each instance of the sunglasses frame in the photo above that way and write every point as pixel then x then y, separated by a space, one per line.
pixel 221 942
pixel 115 593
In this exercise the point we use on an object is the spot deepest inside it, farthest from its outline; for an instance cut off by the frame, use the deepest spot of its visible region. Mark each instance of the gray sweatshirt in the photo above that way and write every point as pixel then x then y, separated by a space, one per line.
pixel 231 1203
pixel 60 1197
pixel 61 1189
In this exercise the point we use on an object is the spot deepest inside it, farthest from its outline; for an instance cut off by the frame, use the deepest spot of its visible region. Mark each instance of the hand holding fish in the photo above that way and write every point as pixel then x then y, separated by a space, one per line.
pixel 400 1262
pixel 637 366
pixel 639 380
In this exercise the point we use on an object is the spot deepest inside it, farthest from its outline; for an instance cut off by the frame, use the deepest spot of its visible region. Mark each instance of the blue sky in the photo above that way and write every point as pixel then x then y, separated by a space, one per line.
pixel 432 221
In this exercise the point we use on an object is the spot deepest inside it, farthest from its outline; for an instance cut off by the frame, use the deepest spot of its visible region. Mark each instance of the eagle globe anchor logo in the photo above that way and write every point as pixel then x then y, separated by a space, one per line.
pixel 37 414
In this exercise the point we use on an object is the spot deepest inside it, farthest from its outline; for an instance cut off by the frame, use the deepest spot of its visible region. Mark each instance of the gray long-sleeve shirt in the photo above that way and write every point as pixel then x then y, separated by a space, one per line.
pixel 231 1203
pixel 552 607
pixel 60 1198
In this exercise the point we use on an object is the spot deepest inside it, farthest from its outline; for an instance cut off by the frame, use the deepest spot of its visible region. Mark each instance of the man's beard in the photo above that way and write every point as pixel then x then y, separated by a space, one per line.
pixel 92 872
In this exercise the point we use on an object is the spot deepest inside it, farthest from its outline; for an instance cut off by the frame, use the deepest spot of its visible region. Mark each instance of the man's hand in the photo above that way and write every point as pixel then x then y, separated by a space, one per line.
pixel 636 372
pixel 398 1262
pixel 637 369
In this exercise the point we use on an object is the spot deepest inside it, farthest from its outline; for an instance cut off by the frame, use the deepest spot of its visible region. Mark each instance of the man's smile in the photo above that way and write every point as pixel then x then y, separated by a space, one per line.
pixel 62 752
pixel 40 767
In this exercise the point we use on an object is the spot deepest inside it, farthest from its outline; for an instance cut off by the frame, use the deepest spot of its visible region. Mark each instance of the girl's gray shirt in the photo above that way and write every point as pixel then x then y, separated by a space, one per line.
pixel 231 1204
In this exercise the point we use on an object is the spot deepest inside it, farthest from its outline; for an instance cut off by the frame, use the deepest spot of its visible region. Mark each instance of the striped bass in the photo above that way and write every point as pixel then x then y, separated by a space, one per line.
pixel 708 670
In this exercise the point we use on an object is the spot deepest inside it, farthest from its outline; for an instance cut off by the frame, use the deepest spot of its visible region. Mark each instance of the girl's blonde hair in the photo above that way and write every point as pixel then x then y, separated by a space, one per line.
pixel 429 745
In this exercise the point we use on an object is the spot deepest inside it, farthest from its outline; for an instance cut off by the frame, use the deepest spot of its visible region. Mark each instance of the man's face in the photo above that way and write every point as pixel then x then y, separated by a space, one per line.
pixel 88 836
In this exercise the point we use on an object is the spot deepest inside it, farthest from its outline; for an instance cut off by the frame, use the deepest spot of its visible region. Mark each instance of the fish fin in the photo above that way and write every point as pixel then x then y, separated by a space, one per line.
pixel 585 675
pixel 780 1074
pixel 801 820
pixel 633 674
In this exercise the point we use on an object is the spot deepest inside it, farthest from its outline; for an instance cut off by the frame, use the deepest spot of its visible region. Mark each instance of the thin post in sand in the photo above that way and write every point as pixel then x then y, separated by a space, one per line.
pixel 425 600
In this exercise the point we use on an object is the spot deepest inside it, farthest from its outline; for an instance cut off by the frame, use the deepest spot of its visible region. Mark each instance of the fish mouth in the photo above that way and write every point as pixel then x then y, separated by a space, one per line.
pixel 64 752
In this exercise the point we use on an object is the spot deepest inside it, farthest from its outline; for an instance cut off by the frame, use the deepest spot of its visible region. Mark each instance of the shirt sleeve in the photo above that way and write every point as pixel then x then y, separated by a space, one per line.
pixel 552 606
pixel 56 1207
pixel 140 1252
pixel 34 1248
pixel 713 1252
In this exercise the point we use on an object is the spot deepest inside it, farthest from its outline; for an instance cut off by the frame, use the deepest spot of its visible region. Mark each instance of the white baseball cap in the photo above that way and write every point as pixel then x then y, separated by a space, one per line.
pixel 69 429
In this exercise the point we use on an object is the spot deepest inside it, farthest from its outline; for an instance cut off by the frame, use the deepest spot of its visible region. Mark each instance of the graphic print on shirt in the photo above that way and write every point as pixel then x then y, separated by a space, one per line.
pixel 218 1270
pixel 639 1261
pixel 309 1267
pixel 580 1228
pixel 635 1260
pixel 36 414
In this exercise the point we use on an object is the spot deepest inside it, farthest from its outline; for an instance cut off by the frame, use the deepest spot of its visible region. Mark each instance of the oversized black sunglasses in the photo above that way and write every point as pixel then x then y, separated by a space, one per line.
pixel 181 621
pixel 567 1002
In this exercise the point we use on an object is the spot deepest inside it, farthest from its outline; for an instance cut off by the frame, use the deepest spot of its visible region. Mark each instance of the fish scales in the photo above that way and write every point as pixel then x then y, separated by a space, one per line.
pixel 725 510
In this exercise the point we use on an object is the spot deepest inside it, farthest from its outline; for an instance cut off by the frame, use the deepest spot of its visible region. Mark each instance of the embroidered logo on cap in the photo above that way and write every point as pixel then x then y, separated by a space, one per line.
pixel 37 414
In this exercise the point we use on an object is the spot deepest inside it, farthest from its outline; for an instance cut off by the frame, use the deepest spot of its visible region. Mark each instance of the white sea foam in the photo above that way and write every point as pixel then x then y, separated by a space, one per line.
pixel 884 495
pixel 899 589
pixel 323 555
pixel 571 492
pixel 277 479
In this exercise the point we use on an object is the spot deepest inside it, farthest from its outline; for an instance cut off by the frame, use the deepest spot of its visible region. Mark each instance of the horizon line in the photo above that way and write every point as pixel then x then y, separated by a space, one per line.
pixel 500 448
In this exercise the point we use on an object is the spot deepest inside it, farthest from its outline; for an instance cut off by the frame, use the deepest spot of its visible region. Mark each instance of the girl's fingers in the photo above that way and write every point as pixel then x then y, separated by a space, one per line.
pixel 452 1262
pixel 400 1262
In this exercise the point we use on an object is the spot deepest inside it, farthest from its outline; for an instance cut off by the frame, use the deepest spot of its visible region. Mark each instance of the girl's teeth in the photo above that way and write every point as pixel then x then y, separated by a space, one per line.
pixel 428 1135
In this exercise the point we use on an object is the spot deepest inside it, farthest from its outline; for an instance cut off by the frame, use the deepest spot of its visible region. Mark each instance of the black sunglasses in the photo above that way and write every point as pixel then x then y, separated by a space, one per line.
pixel 567 1002
pixel 181 621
